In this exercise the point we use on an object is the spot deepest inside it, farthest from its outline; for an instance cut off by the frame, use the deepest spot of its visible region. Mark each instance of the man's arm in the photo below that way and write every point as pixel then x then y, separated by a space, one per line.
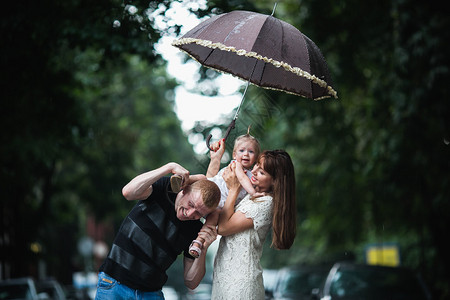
pixel 140 187
pixel 194 269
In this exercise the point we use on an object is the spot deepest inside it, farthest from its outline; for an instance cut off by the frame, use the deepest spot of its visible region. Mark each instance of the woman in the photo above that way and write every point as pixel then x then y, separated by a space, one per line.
pixel 237 269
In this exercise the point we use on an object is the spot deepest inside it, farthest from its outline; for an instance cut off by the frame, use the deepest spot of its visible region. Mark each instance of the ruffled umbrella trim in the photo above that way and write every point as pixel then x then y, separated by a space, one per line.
pixel 297 71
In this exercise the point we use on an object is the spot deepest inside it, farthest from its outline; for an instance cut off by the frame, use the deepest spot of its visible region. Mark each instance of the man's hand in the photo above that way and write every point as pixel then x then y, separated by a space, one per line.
pixel 179 170
pixel 209 235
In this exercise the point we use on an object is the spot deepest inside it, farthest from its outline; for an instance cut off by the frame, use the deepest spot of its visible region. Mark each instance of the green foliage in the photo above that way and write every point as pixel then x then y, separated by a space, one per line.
pixel 372 166
pixel 87 105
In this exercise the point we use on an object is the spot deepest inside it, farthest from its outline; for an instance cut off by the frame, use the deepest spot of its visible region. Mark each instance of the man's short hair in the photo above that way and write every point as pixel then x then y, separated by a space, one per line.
pixel 209 191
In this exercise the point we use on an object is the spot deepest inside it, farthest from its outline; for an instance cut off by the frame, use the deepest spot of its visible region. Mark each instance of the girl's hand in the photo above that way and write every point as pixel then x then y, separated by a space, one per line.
pixel 257 195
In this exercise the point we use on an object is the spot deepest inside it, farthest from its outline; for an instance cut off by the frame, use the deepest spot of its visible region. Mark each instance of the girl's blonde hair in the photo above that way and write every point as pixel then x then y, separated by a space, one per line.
pixel 279 165
pixel 247 137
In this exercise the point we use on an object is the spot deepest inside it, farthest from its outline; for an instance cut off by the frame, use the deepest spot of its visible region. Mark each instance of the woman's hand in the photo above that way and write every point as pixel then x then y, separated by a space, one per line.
pixel 231 222
pixel 216 156
pixel 218 149
pixel 229 175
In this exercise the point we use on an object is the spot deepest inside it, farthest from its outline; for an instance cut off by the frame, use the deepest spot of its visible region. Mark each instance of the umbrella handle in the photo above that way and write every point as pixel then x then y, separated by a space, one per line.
pixel 231 126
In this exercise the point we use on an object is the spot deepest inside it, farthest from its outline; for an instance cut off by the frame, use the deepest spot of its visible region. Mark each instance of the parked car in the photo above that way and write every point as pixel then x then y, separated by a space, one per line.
pixel 170 293
pixel 52 287
pixel 270 278
pixel 357 281
pixel 299 281
pixel 20 288
pixel 202 292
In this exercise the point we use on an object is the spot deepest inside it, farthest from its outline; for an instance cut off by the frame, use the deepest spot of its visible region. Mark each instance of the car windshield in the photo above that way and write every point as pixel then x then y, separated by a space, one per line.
pixel 17 291
pixel 301 282
pixel 375 284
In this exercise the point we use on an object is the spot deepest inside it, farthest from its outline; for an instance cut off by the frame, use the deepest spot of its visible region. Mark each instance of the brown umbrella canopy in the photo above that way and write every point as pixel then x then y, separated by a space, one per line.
pixel 262 49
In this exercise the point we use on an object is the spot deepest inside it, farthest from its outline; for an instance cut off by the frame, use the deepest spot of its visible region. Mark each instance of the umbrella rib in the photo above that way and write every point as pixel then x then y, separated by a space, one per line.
pixel 209 54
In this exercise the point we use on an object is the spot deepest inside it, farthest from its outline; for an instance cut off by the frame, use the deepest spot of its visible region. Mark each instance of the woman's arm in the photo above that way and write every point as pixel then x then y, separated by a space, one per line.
pixel 216 156
pixel 231 222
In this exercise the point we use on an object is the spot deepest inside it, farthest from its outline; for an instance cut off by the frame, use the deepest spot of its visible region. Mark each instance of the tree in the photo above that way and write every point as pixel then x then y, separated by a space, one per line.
pixel 373 166
pixel 67 147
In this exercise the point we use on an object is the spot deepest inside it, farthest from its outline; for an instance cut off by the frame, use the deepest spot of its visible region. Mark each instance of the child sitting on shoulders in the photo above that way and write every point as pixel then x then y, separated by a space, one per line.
pixel 245 152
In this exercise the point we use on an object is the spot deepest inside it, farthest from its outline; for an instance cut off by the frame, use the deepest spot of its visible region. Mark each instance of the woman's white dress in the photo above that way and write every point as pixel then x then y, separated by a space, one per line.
pixel 237 270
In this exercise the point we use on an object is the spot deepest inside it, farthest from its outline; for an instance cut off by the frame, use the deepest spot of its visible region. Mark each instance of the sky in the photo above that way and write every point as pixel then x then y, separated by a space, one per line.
pixel 190 106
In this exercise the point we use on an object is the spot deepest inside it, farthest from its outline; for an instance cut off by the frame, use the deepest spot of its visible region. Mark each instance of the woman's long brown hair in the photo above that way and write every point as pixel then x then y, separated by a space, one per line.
pixel 279 165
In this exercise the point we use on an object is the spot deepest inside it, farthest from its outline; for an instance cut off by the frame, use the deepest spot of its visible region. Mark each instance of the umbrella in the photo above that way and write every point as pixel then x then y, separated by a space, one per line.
pixel 261 50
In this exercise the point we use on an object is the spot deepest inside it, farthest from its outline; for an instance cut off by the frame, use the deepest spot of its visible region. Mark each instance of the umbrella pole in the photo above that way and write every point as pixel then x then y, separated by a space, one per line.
pixel 242 100
pixel 233 122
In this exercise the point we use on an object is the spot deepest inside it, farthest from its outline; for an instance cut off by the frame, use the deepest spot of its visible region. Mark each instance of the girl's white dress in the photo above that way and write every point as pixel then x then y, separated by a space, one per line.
pixel 237 269
pixel 218 179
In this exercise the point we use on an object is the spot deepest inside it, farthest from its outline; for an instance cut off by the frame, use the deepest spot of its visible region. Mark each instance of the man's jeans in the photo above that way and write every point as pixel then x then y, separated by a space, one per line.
pixel 108 289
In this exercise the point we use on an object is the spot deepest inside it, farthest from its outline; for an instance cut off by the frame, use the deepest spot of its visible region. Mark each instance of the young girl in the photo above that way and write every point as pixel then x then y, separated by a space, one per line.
pixel 245 152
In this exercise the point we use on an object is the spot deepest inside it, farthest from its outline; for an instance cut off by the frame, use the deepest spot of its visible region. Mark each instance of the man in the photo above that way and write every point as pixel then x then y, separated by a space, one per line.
pixel 159 227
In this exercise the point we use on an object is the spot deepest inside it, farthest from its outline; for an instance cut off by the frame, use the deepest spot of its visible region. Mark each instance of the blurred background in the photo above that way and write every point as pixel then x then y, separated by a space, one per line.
pixel 88 102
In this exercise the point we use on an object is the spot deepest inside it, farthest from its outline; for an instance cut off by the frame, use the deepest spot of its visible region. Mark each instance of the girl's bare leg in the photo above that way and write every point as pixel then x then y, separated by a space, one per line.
pixel 195 249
